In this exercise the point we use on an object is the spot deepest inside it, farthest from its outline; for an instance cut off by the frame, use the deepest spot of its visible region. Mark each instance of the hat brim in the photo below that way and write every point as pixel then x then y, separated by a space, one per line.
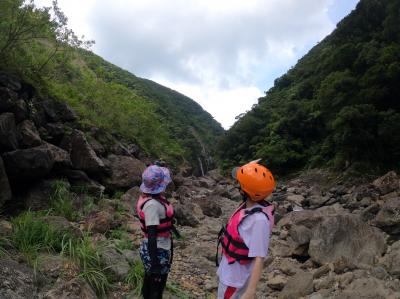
pixel 158 189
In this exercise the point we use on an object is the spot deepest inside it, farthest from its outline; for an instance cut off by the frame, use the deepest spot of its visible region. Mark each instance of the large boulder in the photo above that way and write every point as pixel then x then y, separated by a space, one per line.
pixel 57 111
pixel 126 172
pixel 210 206
pixel 387 183
pixel 8 133
pixel 130 198
pixel 32 163
pixel 300 285
pixel 99 222
pixel 392 260
pixel 61 157
pixel 83 156
pixel 80 181
pixel 388 218
pixel 9 102
pixel 76 288
pixel 5 193
pixel 367 288
pixel 188 214
pixel 346 236
pixel 28 135
pixel 115 262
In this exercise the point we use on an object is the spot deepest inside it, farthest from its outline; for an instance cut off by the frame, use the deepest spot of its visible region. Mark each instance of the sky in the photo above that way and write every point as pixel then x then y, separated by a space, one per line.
pixel 224 54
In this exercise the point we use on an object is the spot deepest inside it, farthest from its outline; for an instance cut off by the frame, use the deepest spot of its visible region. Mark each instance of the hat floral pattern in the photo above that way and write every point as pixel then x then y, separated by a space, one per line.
pixel 155 179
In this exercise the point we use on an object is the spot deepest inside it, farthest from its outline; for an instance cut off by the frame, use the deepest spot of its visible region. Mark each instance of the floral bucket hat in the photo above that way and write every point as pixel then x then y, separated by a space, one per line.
pixel 155 179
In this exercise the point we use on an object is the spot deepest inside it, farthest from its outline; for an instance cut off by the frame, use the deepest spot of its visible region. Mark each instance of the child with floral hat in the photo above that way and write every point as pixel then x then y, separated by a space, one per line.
pixel 156 220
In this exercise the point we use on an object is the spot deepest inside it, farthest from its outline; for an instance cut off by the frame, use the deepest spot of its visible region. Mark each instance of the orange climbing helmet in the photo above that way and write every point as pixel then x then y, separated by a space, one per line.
pixel 255 179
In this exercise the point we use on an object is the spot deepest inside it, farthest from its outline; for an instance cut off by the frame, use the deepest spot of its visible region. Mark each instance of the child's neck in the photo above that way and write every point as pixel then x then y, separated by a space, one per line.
pixel 250 203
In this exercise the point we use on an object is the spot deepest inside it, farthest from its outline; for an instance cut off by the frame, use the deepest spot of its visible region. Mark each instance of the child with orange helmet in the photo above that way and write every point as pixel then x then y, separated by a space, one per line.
pixel 245 238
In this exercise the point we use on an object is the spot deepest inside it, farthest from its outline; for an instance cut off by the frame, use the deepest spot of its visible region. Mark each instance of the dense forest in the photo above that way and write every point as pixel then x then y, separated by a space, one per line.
pixel 37 45
pixel 338 107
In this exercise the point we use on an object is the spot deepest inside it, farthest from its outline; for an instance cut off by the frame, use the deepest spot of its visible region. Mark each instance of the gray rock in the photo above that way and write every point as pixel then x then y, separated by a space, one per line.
pixel 346 236
pixel 367 288
pixel 32 163
pixel 210 206
pixel 8 133
pixel 298 286
pixel 51 266
pixel 61 157
pixel 16 280
pixel 76 288
pixel 116 262
pixel 388 218
pixel 28 135
pixel 387 183
pixel 130 198
pixel 5 194
pixel 126 172
pixel 300 234
pixel 392 260
pixel 83 156
pixel 188 214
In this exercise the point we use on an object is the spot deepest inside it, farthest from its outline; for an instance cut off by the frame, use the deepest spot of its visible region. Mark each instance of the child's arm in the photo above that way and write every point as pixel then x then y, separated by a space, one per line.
pixel 254 278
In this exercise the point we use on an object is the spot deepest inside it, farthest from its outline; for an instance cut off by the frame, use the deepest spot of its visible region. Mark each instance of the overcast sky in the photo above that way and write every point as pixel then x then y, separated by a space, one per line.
pixel 224 54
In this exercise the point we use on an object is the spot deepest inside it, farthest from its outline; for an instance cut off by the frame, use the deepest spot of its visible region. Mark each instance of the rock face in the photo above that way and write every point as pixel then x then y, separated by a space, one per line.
pixel 5 193
pixel 8 133
pixel 83 156
pixel 126 172
pixel 346 236
pixel 33 163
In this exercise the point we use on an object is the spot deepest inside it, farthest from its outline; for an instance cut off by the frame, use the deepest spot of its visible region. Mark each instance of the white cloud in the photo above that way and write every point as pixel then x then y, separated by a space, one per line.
pixel 221 53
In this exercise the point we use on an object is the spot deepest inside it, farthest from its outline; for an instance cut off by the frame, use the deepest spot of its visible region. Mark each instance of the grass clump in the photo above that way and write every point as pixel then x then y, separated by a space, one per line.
pixel 135 277
pixel 177 291
pixel 87 257
pixel 31 235
pixel 62 200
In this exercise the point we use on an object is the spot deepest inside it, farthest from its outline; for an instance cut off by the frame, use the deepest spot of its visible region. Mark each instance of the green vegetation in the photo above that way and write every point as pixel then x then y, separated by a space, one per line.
pixel 135 277
pixel 338 107
pixel 32 235
pixel 87 257
pixel 176 291
pixel 37 45
pixel 62 200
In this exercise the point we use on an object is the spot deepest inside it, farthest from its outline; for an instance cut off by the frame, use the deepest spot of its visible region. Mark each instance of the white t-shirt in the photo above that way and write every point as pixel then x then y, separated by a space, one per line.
pixel 254 230
pixel 154 211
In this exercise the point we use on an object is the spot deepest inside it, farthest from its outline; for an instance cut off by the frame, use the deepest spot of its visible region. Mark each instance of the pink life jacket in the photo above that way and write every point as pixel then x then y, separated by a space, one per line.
pixel 233 246
pixel 166 224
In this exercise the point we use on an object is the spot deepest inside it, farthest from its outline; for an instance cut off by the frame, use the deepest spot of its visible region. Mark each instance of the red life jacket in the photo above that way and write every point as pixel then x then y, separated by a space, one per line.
pixel 233 246
pixel 166 224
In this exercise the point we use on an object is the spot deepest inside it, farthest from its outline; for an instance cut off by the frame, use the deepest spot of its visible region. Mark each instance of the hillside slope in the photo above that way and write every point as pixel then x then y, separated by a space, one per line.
pixel 338 107
pixel 37 46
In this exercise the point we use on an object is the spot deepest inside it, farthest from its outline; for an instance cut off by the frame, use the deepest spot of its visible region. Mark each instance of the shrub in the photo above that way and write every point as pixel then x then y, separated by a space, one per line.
pixel 62 200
